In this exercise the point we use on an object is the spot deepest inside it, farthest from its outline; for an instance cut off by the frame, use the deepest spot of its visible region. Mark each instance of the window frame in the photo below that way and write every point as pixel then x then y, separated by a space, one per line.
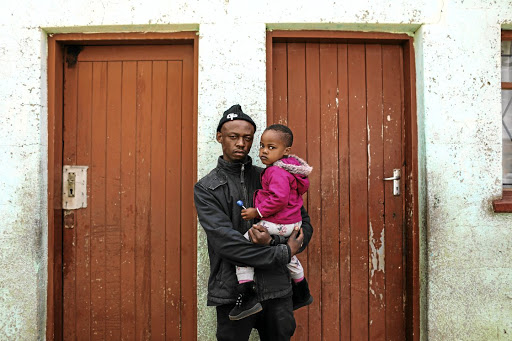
pixel 504 204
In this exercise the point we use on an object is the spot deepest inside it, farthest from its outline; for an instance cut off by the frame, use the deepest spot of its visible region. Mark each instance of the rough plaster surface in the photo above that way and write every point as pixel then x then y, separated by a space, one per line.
pixel 466 248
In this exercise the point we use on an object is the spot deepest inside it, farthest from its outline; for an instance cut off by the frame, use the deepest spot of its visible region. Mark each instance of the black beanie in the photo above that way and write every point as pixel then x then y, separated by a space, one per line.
pixel 235 113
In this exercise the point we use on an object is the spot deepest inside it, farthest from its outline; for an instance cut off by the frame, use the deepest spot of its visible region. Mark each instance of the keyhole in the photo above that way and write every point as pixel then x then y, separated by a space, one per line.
pixel 71 185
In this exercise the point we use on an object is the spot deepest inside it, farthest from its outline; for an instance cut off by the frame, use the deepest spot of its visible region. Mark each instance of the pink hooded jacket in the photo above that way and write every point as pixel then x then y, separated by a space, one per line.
pixel 283 184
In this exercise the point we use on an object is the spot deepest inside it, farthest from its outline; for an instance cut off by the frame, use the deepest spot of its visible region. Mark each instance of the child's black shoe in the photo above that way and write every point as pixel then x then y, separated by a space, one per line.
pixel 247 302
pixel 301 295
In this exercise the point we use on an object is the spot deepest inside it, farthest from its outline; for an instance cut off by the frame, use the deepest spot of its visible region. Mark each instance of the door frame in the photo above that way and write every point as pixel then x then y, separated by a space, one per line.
pixel 56 44
pixel 411 213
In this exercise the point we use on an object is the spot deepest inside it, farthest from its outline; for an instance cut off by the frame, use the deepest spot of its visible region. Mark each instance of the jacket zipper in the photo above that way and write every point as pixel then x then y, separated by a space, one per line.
pixel 244 193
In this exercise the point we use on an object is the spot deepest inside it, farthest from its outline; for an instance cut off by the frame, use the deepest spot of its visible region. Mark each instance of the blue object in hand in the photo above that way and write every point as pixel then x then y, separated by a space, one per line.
pixel 241 204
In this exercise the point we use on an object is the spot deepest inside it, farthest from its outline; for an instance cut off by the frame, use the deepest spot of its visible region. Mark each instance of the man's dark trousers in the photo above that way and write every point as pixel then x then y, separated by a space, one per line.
pixel 275 323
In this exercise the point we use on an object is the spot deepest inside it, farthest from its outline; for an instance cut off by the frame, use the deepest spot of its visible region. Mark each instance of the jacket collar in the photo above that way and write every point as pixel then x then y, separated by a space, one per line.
pixel 234 167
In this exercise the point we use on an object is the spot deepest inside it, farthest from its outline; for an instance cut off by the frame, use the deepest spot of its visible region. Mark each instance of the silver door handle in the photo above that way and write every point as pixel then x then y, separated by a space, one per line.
pixel 392 178
pixel 396 181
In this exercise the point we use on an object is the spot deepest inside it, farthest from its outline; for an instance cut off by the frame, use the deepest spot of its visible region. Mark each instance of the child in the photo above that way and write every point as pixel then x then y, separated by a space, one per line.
pixel 278 204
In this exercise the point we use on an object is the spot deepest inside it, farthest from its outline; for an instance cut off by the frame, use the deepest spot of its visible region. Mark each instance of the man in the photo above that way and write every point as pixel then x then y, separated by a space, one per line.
pixel 215 197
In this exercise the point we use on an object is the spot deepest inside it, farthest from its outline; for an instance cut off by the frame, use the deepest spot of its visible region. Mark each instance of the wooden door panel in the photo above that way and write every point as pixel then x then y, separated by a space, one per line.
pixel 124 259
pixel 329 189
pixel 113 201
pixel 142 201
pixel 296 120
pixel 127 205
pixel 97 255
pixel 314 195
pixel 394 205
pixel 344 191
pixel 280 79
pixel 188 236
pixel 377 289
pixel 69 157
pixel 358 179
pixel 173 259
pixel 344 103
pixel 82 304
pixel 136 53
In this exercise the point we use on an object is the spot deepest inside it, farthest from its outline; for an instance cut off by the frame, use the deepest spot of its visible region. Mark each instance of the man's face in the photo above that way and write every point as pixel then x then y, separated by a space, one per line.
pixel 236 139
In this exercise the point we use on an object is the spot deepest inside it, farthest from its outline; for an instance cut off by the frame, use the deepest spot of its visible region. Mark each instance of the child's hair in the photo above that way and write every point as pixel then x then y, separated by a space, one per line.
pixel 285 132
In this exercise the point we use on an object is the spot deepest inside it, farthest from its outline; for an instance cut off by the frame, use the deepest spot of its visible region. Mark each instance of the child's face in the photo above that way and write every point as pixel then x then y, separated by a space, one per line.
pixel 272 147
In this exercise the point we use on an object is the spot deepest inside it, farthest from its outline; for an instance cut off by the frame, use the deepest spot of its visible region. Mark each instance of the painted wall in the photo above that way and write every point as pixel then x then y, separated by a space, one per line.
pixel 466 268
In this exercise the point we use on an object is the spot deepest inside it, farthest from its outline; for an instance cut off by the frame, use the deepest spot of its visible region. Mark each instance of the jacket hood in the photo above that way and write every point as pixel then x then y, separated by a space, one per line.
pixel 298 168
pixel 294 165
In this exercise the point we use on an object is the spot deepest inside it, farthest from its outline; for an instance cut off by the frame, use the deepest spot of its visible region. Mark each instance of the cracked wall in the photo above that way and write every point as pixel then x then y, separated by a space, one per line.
pixel 466 248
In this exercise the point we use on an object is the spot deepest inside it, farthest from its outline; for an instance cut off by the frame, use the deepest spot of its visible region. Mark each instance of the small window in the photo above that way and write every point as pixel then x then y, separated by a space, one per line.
pixel 506 110
pixel 505 204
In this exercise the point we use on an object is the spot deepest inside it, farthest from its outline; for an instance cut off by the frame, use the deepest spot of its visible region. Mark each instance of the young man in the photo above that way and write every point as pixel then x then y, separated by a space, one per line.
pixel 215 197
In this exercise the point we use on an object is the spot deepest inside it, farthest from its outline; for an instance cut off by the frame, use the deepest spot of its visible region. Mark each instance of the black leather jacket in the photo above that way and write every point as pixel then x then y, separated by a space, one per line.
pixel 215 197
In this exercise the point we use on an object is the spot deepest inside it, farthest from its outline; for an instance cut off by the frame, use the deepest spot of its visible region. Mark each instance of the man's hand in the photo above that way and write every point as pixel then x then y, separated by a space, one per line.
pixel 259 235
pixel 295 240
pixel 249 213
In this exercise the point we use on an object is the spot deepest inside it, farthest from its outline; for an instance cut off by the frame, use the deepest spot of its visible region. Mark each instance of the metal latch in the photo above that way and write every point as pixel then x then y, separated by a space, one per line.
pixel 74 187
pixel 396 181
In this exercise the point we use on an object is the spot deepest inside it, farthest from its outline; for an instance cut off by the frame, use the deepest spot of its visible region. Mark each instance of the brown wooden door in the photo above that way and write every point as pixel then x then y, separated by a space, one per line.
pixel 129 261
pixel 344 103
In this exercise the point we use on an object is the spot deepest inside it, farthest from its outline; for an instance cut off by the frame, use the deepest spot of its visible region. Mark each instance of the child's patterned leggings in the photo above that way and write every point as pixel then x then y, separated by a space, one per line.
pixel 246 273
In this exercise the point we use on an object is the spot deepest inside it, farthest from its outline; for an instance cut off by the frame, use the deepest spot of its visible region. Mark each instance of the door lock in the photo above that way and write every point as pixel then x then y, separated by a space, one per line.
pixel 74 187
pixel 396 181
pixel 71 184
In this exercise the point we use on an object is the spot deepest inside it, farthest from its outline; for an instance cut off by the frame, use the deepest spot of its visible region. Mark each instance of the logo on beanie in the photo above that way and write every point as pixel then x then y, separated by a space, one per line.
pixel 231 116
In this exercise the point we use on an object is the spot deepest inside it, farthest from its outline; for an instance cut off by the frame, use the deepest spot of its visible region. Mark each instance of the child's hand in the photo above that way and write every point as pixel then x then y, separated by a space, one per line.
pixel 249 213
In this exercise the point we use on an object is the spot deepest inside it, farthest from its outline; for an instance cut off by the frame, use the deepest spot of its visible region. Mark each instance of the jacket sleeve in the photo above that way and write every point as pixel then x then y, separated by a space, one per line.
pixel 279 192
pixel 227 242
pixel 307 228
